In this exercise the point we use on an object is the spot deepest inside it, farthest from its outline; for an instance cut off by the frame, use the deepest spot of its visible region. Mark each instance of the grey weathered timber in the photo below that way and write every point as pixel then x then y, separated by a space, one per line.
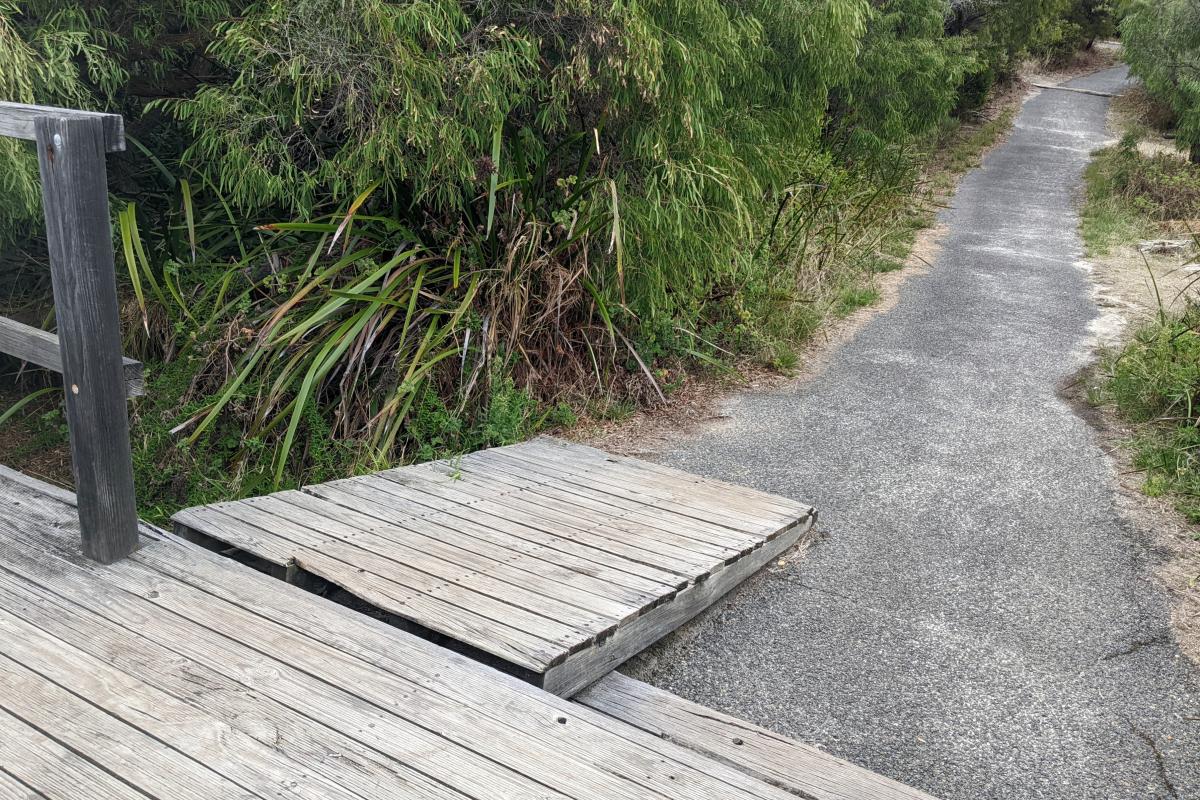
pixel 13 789
pixel 42 348
pixel 801 768
pixel 179 673
pixel 557 560
pixel 19 121
pixel 78 231
pixel 580 669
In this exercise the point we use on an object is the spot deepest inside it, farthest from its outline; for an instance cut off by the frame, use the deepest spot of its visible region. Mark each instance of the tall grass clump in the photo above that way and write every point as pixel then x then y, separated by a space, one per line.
pixel 1153 380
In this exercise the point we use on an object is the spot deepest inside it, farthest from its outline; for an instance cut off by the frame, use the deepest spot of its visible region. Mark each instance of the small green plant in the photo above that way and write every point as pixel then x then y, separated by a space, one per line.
pixel 854 298
pixel 882 264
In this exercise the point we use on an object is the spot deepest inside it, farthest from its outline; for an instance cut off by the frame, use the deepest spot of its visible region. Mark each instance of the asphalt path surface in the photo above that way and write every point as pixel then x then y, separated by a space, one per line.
pixel 978 620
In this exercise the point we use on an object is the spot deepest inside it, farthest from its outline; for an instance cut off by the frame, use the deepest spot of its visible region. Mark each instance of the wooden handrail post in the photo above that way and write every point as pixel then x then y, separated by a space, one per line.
pixel 79 233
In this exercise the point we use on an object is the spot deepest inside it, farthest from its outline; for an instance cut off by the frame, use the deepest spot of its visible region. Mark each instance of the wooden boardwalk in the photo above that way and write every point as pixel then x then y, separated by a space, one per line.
pixel 182 675
pixel 800 768
pixel 554 560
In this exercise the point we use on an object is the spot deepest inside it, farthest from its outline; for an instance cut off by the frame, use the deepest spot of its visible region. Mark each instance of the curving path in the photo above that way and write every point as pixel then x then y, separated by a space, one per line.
pixel 979 621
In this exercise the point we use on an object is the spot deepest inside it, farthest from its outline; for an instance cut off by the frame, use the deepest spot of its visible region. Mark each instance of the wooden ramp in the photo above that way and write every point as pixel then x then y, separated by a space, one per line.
pixel 552 560
pixel 800 768
pixel 181 675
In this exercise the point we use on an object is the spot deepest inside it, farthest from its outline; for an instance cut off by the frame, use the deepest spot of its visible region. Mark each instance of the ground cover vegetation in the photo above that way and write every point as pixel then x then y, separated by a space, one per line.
pixel 1154 379
pixel 361 232
pixel 1135 194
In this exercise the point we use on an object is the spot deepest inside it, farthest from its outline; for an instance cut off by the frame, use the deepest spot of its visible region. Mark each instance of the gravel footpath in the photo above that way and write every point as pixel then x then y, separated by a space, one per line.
pixel 978 620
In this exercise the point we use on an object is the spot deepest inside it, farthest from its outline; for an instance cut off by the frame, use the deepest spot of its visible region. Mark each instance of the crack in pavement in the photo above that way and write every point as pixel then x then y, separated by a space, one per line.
pixel 1158 759
pixel 1161 638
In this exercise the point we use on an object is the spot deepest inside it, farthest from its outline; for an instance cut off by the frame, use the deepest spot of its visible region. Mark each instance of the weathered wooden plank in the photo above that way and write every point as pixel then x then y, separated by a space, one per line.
pixel 622 587
pixel 806 770
pixel 480 691
pixel 212 521
pixel 566 521
pixel 657 529
pixel 591 488
pixel 18 120
pixel 652 474
pixel 41 347
pixel 505 515
pixel 28 486
pixel 143 760
pixel 716 520
pixel 576 673
pixel 13 789
pixel 411 595
pixel 464 581
pixel 613 473
pixel 328 700
pixel 620 513
pixel 654 471
pixel 653 480
pixel 644 766
pixel 581 761
pixel 79 237
pixel 387 762
pixel 386 506
pixel 520 580
pixel 448 483
pixel 571 573
pixel 161 715
pixel 52 770
pixel 526 540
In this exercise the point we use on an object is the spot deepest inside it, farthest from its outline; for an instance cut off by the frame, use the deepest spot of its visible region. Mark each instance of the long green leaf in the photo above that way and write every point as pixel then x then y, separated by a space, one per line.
pixel 492 184
pixel 16 407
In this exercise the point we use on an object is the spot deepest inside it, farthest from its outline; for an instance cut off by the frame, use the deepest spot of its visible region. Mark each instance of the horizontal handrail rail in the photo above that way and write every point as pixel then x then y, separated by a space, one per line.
pixel 41 347
pixel 17 121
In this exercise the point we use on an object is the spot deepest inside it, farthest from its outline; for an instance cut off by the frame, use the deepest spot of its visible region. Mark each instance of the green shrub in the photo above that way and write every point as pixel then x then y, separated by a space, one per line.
pixel 1162 46
pixel 976 85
